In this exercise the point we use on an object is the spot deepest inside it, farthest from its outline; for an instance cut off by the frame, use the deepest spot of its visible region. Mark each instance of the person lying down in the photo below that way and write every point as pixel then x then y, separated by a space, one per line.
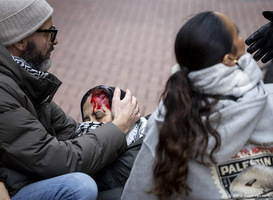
pixel 96 111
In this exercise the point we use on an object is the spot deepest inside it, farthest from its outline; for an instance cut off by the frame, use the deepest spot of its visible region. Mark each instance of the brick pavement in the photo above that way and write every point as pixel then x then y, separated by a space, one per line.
pixel 129 43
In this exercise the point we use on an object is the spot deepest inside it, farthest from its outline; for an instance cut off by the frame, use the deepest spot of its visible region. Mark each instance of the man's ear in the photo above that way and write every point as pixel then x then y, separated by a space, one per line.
pixel 21 45
pixel 18 48
pixel 229 60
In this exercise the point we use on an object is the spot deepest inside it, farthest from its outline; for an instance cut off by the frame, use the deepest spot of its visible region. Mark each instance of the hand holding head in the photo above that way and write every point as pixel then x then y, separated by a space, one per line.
pixel 126 111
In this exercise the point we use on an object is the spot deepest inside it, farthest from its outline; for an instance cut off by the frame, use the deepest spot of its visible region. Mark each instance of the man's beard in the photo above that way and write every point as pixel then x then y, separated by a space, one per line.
pixel 35 58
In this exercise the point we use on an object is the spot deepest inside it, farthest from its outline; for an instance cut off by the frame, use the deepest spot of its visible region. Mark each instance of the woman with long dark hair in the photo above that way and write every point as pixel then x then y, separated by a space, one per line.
pixel 210 137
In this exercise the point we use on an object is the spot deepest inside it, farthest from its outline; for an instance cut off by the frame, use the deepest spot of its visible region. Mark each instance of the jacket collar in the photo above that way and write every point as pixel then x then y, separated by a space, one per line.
pixel 38 89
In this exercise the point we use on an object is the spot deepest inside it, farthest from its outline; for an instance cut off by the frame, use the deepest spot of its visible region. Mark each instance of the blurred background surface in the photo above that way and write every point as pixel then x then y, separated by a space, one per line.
pixel 129 43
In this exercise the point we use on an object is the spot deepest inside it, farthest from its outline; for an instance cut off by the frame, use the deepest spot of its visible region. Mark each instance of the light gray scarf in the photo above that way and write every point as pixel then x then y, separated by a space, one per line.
pixel 224 80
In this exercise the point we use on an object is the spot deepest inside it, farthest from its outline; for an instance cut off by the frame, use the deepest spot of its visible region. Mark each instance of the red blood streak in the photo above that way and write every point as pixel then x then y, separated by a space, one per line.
pixel 100 98
pixel 250 183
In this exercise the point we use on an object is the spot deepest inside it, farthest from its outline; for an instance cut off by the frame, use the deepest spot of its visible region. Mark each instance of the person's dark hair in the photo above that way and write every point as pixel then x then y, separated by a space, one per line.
pixel 201 42
pixel 107 89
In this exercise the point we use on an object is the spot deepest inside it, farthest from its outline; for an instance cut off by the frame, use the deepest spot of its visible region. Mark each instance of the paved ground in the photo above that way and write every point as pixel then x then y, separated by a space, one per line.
pixel 129 43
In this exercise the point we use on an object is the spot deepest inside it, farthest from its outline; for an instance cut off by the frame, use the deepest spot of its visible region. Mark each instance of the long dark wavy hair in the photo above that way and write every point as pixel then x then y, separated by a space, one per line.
pixel 201 42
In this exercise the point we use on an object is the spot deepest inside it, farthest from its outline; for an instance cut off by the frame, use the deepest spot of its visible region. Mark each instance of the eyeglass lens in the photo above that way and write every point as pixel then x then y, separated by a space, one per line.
pixel 53 34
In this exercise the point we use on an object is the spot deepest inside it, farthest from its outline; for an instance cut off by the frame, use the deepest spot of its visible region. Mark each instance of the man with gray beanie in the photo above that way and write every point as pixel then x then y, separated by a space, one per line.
pixel 41 156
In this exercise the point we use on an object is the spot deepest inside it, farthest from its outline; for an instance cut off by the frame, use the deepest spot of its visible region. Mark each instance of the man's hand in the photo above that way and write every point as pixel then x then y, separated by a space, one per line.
pixel 4 195
pixel 261 41
pixel 126 111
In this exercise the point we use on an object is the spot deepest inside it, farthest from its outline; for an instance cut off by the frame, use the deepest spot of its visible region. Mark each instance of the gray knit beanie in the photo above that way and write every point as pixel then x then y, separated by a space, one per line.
pixel 20 18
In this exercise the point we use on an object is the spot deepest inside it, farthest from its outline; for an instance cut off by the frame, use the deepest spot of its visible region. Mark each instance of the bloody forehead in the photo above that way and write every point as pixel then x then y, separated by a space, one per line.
pixel 100 98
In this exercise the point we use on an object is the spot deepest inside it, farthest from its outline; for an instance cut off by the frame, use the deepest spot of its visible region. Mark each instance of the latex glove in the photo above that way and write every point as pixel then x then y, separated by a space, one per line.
pixel 261 41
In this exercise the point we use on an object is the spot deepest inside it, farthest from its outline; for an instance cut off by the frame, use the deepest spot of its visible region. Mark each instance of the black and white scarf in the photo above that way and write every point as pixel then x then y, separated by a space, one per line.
pixel 22 63
pixel 134 134
pixel 85 127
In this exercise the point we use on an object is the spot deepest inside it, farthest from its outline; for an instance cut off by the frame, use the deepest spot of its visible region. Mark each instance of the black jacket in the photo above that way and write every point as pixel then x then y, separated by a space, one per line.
pixel 111 180
pixel 14 180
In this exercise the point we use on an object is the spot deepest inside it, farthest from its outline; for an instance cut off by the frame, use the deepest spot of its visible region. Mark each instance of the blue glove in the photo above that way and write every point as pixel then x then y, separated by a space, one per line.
pixel 261 41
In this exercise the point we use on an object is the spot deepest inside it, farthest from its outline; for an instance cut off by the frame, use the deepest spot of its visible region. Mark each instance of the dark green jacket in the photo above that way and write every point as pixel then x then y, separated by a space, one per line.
pixel 37 138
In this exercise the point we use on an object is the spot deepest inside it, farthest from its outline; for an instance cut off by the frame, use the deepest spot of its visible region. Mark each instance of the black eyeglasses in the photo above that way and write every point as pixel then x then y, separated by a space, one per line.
pixel 52 30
